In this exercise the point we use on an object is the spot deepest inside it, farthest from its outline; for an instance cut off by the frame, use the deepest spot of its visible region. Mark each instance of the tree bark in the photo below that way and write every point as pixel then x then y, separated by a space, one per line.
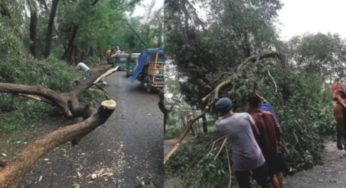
pixel 50 28
pixel 13 171
pixel 33 26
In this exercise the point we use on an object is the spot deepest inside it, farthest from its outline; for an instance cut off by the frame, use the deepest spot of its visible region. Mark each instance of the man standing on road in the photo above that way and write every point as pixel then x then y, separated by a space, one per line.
pixel 246 154
pixel 268 139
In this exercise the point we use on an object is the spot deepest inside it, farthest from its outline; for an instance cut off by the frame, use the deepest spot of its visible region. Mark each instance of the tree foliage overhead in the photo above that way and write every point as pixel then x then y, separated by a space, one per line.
pixel 230 32
pixel 74 29
pixel 81 30
pixel 324 54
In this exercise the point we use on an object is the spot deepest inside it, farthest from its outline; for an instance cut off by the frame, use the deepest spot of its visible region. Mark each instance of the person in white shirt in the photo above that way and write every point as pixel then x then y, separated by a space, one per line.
pixel 82 66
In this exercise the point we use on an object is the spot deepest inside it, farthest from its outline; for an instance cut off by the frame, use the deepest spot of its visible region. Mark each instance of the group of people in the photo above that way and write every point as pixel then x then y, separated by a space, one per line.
pixel 85 68
pixel 110 53
pixel 255 139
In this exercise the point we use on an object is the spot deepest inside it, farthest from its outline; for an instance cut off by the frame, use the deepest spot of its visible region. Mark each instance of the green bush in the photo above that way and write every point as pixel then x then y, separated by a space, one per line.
pixel 27 114
pixel 306 118
pixel 18 67
pixel 50 72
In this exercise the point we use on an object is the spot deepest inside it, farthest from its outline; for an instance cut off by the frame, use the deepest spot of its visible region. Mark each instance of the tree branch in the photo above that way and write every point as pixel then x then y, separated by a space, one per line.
pixel 214 95
pixel 68 102
pixel 94 3
pixel 13 172
pixel 181 138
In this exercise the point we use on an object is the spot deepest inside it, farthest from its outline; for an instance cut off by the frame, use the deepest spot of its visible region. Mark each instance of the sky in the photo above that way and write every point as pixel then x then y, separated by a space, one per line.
pixel 141 8
pixel 297 17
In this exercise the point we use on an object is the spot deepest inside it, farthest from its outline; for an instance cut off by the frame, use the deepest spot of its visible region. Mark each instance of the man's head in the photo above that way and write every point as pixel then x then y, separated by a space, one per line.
pixel 223 105
pixel 254 101
pixel 337 79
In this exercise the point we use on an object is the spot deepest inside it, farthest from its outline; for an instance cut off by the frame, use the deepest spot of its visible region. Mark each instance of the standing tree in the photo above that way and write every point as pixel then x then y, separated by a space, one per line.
pixel 324 54
pixel 50 28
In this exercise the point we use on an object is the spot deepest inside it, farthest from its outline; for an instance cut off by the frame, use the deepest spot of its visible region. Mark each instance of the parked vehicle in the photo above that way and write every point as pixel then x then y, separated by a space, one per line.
pixel 131 63
pixel 150 69
pixel 121 60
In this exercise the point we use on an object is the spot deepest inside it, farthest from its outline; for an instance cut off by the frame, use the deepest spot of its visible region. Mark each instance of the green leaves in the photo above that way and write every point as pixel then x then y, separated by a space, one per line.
pixel 235 30
pixel 320 53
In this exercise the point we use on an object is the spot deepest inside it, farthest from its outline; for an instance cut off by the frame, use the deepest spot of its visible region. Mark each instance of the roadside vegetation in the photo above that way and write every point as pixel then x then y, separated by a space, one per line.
pixel 207 50
pixel 42 41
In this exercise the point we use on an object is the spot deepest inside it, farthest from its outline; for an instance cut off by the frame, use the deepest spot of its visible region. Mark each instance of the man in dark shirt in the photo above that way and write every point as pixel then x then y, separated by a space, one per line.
pixel 268 138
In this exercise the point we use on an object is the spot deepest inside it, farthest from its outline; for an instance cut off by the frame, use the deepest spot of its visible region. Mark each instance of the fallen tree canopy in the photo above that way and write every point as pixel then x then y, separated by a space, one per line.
pixel 13 171
pixel 68 102
pixel 213 96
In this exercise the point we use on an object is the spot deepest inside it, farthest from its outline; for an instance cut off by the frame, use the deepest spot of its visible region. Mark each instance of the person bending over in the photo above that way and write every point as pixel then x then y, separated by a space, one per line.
pixel 247 157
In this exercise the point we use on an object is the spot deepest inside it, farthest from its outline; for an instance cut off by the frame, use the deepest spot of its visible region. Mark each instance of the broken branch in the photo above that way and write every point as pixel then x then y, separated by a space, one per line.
pixel 272 78
pixel 107 73
pixel 214 94
pixel 181 138
pixel 222 145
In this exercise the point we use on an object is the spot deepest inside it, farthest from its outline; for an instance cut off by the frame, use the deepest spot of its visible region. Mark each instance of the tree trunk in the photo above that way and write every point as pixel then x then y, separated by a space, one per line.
pixel 13 171
pixel 205 124
pixel 164 109
pixel 95 2
pixel 50 28
pixel 43 2
pixel 33 26
pixel 69 50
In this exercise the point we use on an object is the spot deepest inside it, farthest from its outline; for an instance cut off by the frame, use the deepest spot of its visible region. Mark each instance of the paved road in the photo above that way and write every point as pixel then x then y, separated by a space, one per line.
pixel 331 174
pixel 125 151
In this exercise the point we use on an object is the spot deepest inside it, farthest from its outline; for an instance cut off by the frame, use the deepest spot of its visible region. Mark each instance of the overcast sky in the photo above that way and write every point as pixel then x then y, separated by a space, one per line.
pixel 311 16
pixel 298 17
pixel 140 9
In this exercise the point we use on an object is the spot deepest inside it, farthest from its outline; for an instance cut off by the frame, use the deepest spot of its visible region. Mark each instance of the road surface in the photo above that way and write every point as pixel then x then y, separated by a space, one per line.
pixel 126 152
pixel 331 174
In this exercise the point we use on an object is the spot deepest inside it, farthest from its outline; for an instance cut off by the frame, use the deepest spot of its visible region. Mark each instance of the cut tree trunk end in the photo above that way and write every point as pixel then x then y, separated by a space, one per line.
pixel 13 171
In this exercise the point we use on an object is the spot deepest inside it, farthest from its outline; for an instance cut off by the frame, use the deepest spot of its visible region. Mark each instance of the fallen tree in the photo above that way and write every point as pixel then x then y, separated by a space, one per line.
pixel 13 171
pixel 68 102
